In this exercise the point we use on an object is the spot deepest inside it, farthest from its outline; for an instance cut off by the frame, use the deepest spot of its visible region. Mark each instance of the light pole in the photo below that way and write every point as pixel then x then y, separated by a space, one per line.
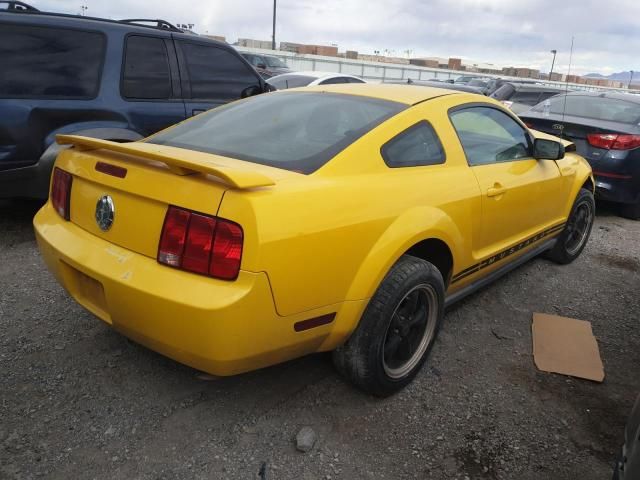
pixel 630 80
pixel 273 36
pixel 553 62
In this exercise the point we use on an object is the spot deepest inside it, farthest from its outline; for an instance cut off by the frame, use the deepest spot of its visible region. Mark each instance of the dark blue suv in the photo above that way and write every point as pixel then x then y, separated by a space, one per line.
pixel 114 80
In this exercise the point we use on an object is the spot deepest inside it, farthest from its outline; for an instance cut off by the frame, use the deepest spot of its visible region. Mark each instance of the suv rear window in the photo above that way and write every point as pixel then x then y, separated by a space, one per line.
pixel 296 131
pixel 44 62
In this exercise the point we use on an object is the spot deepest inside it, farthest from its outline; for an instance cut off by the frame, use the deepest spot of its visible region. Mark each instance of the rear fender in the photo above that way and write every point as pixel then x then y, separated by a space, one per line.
pixel 416 225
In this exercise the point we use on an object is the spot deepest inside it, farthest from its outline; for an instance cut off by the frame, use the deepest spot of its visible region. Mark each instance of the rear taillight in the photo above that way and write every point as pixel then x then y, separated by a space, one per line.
pixel 614 141
pixel 61 192
pixel 201 244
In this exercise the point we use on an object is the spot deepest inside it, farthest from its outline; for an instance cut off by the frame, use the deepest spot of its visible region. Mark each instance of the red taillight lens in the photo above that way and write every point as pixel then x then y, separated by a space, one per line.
pixel 61 192
pixel 174 233
pixel 197 253
pixel 614 141
pixel 201 244
pixel 227 251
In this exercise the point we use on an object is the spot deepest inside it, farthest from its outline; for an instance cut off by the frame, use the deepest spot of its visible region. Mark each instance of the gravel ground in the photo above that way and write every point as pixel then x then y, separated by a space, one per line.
pixel 78 400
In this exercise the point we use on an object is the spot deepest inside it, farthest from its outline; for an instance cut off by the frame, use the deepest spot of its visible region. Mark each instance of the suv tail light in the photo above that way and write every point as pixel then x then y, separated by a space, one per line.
pixel 614 141
pixel 201 244
pixel 61 192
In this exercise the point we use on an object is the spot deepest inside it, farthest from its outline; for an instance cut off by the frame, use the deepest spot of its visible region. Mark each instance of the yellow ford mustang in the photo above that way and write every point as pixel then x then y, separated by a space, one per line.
pixel 337 218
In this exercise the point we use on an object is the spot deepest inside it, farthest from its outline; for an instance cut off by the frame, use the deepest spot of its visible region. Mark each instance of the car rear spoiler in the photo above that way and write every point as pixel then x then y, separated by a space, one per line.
pixel 237 177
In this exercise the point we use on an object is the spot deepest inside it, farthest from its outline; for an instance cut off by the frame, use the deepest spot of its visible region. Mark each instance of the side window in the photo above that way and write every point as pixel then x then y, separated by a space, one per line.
pixel 354 80
pixel 488 135
pixel 419 145
pixel 216 73
pixel 146 69
pixel 333 81
pixel 44 62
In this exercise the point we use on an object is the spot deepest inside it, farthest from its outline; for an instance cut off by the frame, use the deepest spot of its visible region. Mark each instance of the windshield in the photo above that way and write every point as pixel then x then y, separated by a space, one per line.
pixel 296 131
pixel 275 62
pixel 601 108
pixel 477 83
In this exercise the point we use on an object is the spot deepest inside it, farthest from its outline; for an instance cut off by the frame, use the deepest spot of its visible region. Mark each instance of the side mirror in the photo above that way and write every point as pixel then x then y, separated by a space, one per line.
pixel 547 149
pixel 251 91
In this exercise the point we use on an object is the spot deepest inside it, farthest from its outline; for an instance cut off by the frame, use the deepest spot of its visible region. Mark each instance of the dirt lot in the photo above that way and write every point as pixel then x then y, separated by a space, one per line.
pixel 78 400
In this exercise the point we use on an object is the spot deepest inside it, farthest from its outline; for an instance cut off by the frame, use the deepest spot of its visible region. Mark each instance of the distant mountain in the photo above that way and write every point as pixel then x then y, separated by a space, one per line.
pixel 620 76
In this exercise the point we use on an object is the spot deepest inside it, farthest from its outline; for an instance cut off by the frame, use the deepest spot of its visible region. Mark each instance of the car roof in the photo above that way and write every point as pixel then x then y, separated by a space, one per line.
pixel 62 20
pixel 627 97
pixel 535 87
pixel 408 94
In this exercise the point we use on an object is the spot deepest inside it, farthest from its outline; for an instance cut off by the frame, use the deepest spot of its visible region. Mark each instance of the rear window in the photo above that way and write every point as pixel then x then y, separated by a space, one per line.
pixel 282 82
pixel 600 108
pixel 42 62
pixel 528 98
pixel 295 131
pixel 504 92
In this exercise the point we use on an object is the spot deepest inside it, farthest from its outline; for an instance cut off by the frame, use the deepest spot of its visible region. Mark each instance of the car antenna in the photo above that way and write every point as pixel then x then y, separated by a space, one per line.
pixel 566 84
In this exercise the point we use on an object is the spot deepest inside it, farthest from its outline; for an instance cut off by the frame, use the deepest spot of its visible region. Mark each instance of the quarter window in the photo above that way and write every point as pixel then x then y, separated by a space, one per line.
pixel 216 73
pixel 44 62
pixel 417 146
pixel 146 69
pixel 488 135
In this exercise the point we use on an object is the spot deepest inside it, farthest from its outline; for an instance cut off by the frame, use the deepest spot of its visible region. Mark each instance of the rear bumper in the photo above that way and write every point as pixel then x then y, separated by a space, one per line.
pixel 622 190
pixel 220 327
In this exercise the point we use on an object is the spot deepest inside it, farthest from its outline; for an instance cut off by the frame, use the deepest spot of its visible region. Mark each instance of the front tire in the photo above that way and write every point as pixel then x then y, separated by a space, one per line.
pixel 576 233
pixel 397 330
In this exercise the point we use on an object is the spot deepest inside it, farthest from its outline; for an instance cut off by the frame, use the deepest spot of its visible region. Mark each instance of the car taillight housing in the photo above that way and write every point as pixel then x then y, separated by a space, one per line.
pixel 61 192
pixel 614 141
pixel 200 243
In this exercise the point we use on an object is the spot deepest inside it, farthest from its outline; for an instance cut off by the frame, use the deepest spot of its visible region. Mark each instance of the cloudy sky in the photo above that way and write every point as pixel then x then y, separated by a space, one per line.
pixel 503 32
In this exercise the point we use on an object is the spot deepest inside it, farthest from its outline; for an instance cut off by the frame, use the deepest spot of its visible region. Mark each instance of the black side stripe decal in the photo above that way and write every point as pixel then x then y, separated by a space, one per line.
pixel 505 253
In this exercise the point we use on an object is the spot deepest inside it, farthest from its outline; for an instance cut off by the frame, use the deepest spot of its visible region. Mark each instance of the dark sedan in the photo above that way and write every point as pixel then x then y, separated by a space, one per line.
pixel 628 467
pixel 605 128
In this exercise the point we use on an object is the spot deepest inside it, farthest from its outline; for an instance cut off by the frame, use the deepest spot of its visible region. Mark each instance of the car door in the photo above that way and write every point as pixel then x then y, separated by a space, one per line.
pixel 521 196
pixel 213 75
pixel 150 85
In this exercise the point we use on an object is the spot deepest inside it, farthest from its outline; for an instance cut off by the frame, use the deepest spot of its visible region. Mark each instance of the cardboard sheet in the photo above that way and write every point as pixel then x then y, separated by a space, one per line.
pixel 567 346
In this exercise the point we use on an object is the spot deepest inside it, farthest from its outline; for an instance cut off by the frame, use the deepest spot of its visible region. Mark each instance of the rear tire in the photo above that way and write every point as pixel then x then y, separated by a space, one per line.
pixel 630 210
pixel 575 235
pixel 397 330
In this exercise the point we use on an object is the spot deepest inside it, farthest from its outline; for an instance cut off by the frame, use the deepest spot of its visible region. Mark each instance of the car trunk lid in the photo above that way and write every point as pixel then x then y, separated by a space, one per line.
pixel 142 180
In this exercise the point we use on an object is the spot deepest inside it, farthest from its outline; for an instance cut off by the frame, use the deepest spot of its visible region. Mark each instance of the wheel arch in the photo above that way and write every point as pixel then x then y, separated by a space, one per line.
pixel 437 252
pixel 425 232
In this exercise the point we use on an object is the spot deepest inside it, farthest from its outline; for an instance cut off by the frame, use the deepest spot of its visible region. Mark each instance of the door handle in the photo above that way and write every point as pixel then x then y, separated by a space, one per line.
pixel 496 190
